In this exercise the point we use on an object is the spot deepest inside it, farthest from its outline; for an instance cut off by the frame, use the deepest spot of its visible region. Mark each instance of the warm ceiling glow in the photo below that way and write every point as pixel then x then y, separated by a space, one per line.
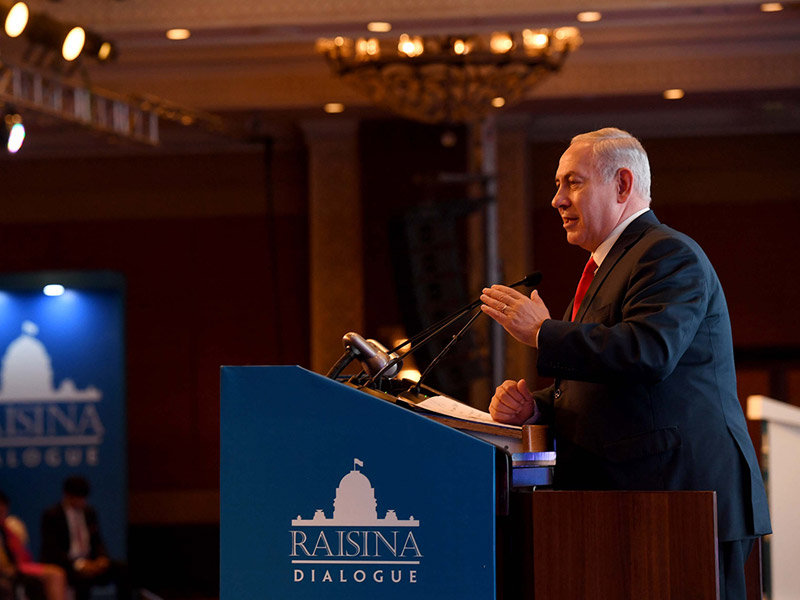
pixel 73 43
pixel 674 94
pixel 17 19
pixel 771 7
pixel 53 289
pixel 379 26
pixel 178 34
pixel 498 102
pixel 334 108
pixel 589 16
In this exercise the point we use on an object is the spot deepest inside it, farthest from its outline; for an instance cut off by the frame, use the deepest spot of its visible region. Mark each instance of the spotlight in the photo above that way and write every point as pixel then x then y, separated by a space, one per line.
pixel 673 94
pixel 53 289
pixel 73 43
pixel 17 19
pixel 99 48
pixel 14 130
pixel 178 34
pixel 334 108
pixel 49 37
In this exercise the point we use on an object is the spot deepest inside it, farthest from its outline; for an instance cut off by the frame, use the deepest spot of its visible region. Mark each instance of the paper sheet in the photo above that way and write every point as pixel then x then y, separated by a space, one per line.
pixel 458 410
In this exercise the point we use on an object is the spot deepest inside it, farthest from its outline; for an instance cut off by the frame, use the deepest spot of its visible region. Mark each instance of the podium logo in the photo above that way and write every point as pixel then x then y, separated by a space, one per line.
pixel 354 545
pixel 39 422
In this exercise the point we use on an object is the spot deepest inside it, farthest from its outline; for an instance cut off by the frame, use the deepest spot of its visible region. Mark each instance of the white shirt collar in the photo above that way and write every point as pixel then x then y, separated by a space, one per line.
pixel 604 248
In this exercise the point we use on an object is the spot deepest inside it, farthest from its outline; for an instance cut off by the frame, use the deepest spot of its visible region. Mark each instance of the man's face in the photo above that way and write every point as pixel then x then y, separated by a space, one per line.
pixel 78 502
pixel 588 207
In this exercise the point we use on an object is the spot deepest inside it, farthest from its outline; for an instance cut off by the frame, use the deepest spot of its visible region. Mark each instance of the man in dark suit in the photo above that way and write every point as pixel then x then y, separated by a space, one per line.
pixel 645 386
pixel 71 539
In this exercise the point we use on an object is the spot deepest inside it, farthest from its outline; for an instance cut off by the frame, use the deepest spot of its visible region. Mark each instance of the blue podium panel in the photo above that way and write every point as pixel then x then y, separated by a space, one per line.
pixel 329 492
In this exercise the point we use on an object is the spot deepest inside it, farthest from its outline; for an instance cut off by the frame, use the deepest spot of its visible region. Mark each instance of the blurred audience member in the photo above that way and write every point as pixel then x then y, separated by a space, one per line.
pixel 71 539
pixel 40 581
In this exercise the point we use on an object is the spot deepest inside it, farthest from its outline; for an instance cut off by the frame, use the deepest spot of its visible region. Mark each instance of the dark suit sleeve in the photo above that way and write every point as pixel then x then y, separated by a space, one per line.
pixel 659 304
pixel 95 539
pixel 544 406
pixel 54 532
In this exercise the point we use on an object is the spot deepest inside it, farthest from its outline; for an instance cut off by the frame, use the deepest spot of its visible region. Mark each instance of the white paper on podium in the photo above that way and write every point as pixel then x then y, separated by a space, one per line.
pixel 458 410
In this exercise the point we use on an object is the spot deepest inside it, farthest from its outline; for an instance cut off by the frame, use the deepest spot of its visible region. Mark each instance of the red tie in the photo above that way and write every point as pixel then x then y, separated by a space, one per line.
pixel 583 285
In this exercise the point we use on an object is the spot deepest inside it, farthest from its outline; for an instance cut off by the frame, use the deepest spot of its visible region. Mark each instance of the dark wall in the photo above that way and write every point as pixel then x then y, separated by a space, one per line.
pixel 208 251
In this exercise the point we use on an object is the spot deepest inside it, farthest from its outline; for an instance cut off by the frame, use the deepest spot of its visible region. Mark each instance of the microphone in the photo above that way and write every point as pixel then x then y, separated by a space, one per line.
pixel 423 337
pixel 373 355
pixel 530 280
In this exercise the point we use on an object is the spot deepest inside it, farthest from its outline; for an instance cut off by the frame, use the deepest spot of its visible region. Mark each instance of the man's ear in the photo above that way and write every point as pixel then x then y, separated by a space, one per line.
pixel 624 184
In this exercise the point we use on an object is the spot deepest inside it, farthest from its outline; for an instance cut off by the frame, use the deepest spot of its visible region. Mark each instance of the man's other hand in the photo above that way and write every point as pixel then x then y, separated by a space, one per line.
pixel 512 403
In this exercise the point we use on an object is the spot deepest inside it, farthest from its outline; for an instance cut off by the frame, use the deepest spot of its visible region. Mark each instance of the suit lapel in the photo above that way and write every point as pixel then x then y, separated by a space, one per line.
pixel 626 240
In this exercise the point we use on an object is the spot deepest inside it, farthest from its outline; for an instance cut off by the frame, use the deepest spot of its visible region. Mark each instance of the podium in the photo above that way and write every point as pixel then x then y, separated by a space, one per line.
pixel 329 492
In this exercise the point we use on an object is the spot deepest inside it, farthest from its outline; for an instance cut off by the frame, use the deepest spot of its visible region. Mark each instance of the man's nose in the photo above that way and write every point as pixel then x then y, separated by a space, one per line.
pixel 559 199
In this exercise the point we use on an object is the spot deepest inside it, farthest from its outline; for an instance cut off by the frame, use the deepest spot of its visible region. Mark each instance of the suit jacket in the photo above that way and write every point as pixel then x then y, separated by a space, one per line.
pixel 56 540
pixel 645 391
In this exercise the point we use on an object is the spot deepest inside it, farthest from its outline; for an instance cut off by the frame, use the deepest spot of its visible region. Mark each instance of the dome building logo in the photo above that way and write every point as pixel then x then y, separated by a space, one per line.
pixel 355 544
pixel 39 421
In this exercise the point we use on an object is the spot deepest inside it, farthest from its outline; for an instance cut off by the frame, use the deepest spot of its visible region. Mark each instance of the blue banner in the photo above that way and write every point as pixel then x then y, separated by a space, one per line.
pixel 328 492
pixel 62 397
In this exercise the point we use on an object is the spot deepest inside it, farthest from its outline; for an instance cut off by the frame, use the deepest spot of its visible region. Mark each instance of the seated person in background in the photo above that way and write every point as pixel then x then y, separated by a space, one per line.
pixel 40 581
pixel 71 539
pixel 8 575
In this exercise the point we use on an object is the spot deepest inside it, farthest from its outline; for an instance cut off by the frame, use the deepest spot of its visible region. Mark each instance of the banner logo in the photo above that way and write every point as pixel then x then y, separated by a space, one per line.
pixel 41 423
pixel 355 545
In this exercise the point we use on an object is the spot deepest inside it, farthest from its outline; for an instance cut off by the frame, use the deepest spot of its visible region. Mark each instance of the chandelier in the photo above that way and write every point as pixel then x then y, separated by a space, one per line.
pixel 449 78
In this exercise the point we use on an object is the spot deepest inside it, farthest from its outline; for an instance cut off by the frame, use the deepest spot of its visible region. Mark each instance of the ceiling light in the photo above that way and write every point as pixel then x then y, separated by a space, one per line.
pixel 498 102
pixel 73 43
pixel 178 34
pixel 461 47
pixel 53 289
pixel 674 94
pixel 500 43
pixel 414 75
pixel 334 108
pixel 17 19
pixel 535 41
pixel 105 51
pixel 771 7
pixel 379 26
pixel 589 16
pixel 410 46
pixel 14 131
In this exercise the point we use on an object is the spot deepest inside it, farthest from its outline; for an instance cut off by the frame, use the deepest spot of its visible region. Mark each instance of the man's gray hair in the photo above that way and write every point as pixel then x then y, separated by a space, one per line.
pixel 614 149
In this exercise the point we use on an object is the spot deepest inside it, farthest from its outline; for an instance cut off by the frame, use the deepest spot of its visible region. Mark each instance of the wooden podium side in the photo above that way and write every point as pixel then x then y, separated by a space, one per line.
pixel 612 545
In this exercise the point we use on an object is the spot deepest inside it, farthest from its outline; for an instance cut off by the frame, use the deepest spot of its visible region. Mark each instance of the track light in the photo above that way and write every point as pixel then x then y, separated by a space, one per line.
pixel 73 44
pixel 99 48
pixel 16 19
pixel 49 37
pixel 14 130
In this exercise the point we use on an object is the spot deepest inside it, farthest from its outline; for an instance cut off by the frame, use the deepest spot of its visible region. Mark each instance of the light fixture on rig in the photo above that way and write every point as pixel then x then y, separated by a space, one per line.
pixel 13 130
pixel 52 41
